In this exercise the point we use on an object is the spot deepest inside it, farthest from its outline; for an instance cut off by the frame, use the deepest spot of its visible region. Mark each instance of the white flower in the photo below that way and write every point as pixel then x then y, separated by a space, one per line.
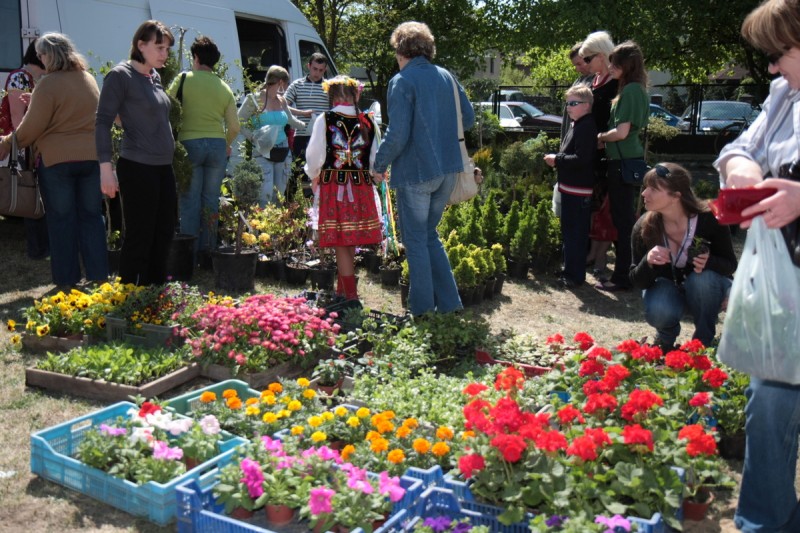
pixel 141 435
pixel 161 420
pixel 182 425
pixel 210 425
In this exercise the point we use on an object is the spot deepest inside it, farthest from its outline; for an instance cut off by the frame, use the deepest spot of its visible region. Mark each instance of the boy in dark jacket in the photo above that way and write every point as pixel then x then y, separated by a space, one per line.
pixel 576 177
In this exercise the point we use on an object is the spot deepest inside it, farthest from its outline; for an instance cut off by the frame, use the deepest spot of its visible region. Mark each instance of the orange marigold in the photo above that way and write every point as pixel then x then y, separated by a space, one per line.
pixel 411 423
pixel 421 446
pixel 277 388
pixel 384 426
pixel 234 403
pixel 379 445
pixel 403 432
pixel 251 401
pixel 347 451
pixel 208 397
pixel 372 435
pixel 229 393
pixel 467 434
pixel 444 433
pixel 396 456
pixel 440 449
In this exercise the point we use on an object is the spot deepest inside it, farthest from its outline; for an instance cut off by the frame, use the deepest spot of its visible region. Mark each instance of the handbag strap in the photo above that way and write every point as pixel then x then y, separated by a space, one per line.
pixel 179 94
pixel 458 109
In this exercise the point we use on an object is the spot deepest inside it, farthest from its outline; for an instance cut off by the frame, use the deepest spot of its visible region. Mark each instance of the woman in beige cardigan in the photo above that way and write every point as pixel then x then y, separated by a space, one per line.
pixel 59 125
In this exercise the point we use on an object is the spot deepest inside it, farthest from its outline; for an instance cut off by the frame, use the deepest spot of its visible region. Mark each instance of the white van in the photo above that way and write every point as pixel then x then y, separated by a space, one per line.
pixel 256 33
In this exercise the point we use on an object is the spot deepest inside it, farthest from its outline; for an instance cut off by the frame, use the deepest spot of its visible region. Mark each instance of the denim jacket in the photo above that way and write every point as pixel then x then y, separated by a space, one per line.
pixel 421 142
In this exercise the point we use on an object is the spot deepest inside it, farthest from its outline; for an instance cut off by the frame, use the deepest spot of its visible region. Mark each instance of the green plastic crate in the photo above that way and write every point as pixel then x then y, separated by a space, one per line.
pixel 185 403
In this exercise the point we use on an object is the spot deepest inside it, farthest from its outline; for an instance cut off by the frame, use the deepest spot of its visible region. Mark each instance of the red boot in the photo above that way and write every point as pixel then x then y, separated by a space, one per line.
pixel 350 285
pixel 339 286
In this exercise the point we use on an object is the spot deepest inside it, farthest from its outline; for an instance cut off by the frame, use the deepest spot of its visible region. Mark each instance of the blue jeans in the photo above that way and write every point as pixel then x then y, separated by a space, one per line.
pixel 276 176
pixel 432 286
pixel 73 203
pixel 576 221
pixel 702 294
pixel 767 500
pixel 199 205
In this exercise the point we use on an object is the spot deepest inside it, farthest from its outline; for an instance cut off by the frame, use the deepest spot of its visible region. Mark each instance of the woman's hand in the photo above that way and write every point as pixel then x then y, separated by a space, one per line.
pixel 658 255
pixel 5 146
pixel 550 159
pixel 699 262
pixel 108 180
pixel 377 177
pixel 780 208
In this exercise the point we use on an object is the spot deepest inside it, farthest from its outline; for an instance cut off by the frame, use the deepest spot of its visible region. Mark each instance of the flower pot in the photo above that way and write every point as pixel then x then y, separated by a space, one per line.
pixel 329 389
pixel 234 272
pixel 732 446
pixel 500 278
pixel 277 269
pixel 322 278
pixel 390 276
pixel 517 269
pixel 373 263
pixel 697 510
pixel 190 463
pixel 240 513
pixel 113 261
pixel 404 286
pixel 204 260
pixel 263 269
pixel 466 296
pixel 540 262
pixel 279 515
pixel 296 275
pixel 180 261
pixel 488 288
pixel 477 294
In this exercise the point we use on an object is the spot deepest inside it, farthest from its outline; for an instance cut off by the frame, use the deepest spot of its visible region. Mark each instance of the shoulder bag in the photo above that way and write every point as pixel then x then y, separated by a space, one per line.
pixel 466 187
pixel 632 170
pixel 19 187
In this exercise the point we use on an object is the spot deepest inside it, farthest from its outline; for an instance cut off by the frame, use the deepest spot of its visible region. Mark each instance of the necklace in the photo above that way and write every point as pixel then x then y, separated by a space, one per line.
pixel 673 260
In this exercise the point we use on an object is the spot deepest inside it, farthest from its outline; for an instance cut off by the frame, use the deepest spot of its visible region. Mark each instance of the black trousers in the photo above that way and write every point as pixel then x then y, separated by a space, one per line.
pixel 621 197
pixel 149 206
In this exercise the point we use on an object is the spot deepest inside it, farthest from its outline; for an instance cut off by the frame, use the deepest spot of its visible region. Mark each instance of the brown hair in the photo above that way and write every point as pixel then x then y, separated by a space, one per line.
pixel 774 26
pixel 59 53
pixel 275 74
pixel 146 32
pixel 206 51
pixel 413 39
pixel 628 58
pixel 675 180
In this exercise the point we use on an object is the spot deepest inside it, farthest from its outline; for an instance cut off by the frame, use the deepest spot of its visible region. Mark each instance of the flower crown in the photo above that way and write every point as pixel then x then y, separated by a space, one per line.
pixel 344 80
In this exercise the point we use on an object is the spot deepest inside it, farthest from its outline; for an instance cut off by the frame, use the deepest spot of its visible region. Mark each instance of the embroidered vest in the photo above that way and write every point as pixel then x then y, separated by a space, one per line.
pixel 348 145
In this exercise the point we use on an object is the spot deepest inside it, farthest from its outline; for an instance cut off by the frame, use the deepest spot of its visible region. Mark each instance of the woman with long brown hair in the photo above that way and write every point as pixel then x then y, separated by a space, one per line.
pixel 682 258
pixel 630 112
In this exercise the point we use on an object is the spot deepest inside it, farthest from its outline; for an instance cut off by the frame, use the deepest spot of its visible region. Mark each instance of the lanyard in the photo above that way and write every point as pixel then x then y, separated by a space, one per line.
pixel 673 260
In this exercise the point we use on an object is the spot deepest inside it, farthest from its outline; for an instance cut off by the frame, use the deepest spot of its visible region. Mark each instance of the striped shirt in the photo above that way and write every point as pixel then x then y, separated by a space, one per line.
pixel 305 94
pixel 770 141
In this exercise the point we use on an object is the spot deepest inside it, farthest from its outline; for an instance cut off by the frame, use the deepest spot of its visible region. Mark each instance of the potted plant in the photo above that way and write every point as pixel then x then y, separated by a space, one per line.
pixel 404 283
pixel 546 236
pixel 703 470
pixel 465 273
pixel 234 265
pixel 390 268
pixel 521 246
pixel 330 373
pixel 729 410
pixel 499 258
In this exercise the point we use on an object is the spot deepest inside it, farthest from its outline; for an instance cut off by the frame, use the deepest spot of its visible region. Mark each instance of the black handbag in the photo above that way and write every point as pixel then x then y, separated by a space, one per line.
pixel 19 187
pixel 632 170
pixel 278 154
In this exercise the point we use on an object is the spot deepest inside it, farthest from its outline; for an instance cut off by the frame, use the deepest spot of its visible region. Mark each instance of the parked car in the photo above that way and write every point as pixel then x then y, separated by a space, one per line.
pixel 507 95
pixel 507 119
pixel 715 115
pixel 533 119
pixel 656 111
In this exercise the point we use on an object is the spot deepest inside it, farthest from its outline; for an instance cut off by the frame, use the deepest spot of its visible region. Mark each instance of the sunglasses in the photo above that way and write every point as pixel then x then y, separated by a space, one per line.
pixel 573 103
pixel 588 59
pixel 662 171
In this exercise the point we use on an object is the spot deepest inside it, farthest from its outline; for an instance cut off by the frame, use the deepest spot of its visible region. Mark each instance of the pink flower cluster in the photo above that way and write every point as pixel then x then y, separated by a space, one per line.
pixel 261 327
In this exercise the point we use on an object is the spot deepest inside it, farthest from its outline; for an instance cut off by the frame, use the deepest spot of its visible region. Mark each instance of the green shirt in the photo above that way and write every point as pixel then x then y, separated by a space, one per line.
pixel 632 106
pixel 209 108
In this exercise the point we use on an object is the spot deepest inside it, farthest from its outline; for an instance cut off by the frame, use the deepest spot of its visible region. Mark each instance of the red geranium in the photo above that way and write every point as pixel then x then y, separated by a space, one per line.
pixel 568 414
pixel 599 352
pixel 599 402
pixel 650 354
pixel 638 436
pixel 511 446
pixel 598 435
pixel 583 447
pixel 700 399
pixel 591 367
pixel 505 416
pixel 148 408
pixel 715 377
pixel 701 362
pixel 475 414
pixel 473 389
pixel 678 360
pixel 640 402
pixel 558 338
pixel 615 374
pixel 469 464
pixel 509 379
pixel 584 339
pixel 693 346
pixel 700 442
pixel 551 441
pixel 627 346
pixel 534 425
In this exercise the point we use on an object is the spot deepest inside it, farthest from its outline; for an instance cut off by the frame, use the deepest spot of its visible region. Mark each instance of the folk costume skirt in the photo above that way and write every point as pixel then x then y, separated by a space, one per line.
pixel 348 214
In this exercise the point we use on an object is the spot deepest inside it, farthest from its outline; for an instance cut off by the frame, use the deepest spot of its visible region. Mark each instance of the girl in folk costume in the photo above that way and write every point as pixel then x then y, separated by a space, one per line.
pixel 339 156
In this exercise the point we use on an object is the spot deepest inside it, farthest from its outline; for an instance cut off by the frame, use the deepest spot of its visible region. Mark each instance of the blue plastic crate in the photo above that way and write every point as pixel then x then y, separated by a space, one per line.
pixel 52 458
pixel 437 501
pixel 430 477
pixel 186 403
pixel 198 511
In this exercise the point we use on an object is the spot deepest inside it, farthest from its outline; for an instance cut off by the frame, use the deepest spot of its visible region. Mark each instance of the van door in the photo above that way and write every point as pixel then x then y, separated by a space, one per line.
pixel 307 45
pixel 202 19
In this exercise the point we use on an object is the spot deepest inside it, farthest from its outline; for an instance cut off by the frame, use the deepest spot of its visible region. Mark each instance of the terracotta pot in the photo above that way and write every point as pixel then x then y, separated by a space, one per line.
pixel 240 513
pixel 279 515
pixel 695 510
pixel 319 526
pixel 328 389
pixel 190 462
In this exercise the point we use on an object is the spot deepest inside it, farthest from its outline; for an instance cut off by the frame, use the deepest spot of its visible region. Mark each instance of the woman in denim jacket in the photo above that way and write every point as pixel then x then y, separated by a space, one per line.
pixel 421 144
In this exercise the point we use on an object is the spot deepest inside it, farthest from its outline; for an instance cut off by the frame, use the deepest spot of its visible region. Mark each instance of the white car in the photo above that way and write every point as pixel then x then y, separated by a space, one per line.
pixel 508 121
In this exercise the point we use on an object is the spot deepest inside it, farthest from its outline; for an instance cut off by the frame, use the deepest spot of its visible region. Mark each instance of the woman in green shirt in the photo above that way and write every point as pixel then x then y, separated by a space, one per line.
pixel 629 115
pixel 209 125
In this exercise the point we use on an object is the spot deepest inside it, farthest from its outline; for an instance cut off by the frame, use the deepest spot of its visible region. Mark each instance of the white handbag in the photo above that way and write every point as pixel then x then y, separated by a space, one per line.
pixel 466 187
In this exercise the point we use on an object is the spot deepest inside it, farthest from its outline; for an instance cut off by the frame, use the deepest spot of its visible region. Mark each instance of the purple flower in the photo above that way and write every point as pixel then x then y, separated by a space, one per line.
pixel 162 450
pixel 111 431
pixel 462 527
pixel 319 501
pixel 616 524
pixel 439 524
pixel 253 477
pixel 391 486
pixel 272 445
pixel 555 521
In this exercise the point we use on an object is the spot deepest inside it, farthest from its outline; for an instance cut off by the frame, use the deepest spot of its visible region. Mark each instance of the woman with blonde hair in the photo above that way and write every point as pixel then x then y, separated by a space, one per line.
pixel 266 116
pixel 59 124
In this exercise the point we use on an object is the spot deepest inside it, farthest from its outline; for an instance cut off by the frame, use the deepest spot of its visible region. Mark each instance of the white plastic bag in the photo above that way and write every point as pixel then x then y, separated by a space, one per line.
pixel 556 200
pixel 264 138
pixel 761 334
